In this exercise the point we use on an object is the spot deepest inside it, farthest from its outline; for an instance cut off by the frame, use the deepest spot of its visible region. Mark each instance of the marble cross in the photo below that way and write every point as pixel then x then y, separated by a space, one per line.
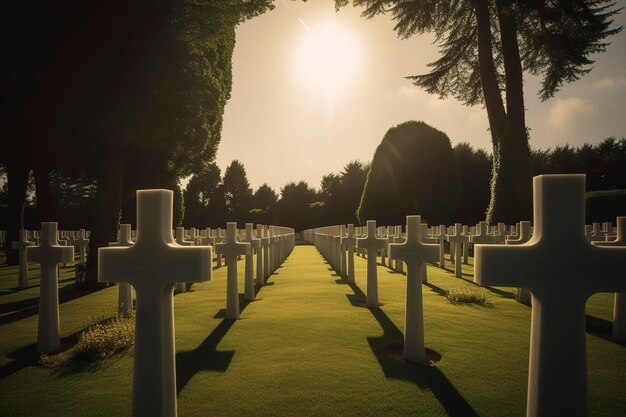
pixel 153 265
pixel 458 239
pixel 347 243
pixel 21 246
pixel 255 245
pixel 265 245
pixel 125 294
pixel 619 301
pixel 414 254
pixel 82 242
pixel 561 269
pixel 371 244
pixel 441 238
pixel 231 249
pixel 49 254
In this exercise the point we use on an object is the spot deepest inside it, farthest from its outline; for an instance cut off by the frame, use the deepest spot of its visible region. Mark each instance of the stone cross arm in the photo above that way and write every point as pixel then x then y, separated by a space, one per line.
pixel 154 260
pixel 163 266
pixel 49 251
pixel 413 248
pixel 558 258
pixel 371 242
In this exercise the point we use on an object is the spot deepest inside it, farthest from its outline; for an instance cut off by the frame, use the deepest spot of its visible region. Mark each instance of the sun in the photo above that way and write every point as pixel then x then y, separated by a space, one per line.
pixel 327 58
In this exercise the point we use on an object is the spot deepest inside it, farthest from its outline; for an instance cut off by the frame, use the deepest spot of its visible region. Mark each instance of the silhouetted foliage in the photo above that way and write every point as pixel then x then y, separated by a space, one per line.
pixel 204 199
pixel 264 198
pixel 413 171
pixel 484 48
pixel 294 206
pixel 605 206
pixel 237 191
pixel 474 167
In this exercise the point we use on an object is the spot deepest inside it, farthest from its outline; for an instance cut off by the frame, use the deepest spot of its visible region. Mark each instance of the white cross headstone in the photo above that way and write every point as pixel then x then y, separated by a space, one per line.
pixel 371 244
pixel 153 265
pixel 255 245
pixel 265 245
pixel 458 240
pixel 82 242
pixel 619 301
pixel 125 294
pixel 260 275
pixel 181 240
pixel 562 270
pixel 415 254
pixel 441 238
pixel 523 236
pixel 349 241
pixel 21 246
pixel 231 249
pixel 49 254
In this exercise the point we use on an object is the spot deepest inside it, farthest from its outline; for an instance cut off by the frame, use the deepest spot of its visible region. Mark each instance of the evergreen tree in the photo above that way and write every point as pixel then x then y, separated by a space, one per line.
pixel 485 45
pixel 237 192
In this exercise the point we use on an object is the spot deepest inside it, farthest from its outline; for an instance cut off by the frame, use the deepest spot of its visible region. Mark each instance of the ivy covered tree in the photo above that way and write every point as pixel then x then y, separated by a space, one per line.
pixel 132 85
pixel 485 47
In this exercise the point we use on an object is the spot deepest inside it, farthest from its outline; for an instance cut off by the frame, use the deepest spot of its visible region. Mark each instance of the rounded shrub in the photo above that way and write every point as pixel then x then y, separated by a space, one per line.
pixel 413 172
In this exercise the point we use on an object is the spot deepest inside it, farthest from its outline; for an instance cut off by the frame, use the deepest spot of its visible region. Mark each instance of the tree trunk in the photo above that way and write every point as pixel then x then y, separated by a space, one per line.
pixel 493 101
pixel 17 178
pixel 512 181
pixel 107 206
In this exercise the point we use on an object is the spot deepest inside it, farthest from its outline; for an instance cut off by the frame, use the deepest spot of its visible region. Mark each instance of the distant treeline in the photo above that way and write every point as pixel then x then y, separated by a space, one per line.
pixel 209 200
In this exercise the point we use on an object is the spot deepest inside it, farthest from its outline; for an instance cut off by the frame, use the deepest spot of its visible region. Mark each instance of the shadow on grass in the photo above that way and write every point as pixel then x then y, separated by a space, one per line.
pixel 425 377
pixel 19 310
pixel 206 357
pixel 497 291
pixel 436 289
pixel 601 328
pixel 29 356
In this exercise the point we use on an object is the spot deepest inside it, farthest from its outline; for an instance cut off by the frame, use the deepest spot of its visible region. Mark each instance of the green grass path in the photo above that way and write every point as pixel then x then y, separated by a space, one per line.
pixel 305 347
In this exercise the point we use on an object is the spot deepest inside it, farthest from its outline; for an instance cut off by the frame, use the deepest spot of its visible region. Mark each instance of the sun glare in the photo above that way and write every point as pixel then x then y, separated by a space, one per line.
pixel 327 58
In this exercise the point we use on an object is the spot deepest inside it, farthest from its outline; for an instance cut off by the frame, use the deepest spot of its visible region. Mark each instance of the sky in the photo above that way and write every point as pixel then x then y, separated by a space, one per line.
pixel 314 89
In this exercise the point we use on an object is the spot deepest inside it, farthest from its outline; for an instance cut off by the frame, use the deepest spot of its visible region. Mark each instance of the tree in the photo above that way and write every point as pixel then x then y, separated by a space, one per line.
pixel 237 192
pixel 485 45
pixel 330 195
pixel 264 198
pixel 413 172
pixel 294 205
pixel 351 184
pixel 200 196
pixel 121 83
pixel 474 167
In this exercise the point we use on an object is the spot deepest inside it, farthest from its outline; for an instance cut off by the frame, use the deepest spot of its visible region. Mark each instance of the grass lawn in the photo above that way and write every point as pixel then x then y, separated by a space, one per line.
pixel 306 347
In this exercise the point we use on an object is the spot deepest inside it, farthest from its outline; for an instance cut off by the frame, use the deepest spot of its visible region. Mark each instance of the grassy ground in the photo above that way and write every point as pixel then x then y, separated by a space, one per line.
pixel 307 346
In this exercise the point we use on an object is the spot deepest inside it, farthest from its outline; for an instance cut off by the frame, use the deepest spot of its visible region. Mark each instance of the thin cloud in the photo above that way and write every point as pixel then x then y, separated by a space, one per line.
pixel 611 83
pixel 568 112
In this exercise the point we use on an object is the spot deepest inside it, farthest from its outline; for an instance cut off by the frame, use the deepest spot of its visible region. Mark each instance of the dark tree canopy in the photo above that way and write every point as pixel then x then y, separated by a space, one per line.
pixel 485 46
pixel 474 167
pixel 413 172
pixel 237 191
pixel 295 204
pixel 264 198
pixel 204 199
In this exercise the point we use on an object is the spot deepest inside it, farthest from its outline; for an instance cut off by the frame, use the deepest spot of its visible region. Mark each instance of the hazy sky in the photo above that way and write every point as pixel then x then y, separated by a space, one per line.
pixel 314 89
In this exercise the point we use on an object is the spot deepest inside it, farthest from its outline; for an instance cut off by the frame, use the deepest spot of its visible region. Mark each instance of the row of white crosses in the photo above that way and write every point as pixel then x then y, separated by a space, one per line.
pixel 153 264
pixel 557 264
